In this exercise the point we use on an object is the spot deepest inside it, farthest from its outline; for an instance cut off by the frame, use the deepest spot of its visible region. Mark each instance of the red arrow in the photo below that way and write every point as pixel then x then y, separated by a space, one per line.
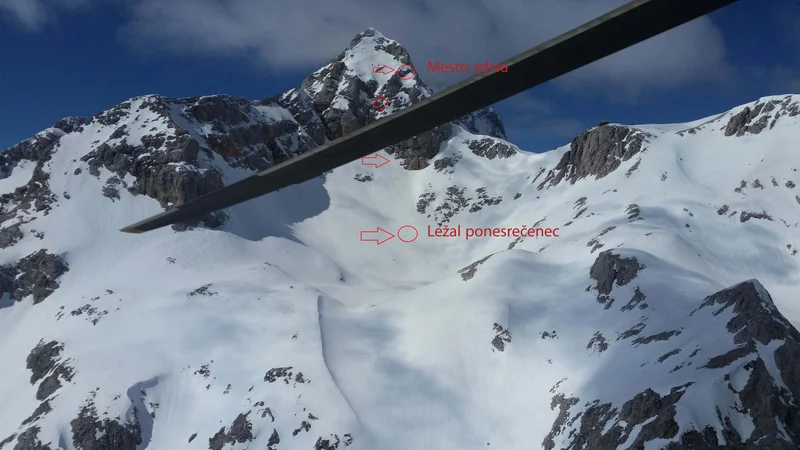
pixel 383 69
pixel 380 239
pixel 374 160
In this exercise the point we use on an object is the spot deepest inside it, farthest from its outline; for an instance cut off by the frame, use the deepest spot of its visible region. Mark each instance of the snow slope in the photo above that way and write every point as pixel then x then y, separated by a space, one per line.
pixel 662 316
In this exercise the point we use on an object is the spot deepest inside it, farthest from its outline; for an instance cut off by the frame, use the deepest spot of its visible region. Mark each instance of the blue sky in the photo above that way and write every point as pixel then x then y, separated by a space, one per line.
pixel 78 57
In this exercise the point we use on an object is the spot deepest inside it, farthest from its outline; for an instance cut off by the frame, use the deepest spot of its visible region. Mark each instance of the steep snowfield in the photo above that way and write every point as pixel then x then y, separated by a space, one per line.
pixel 280 329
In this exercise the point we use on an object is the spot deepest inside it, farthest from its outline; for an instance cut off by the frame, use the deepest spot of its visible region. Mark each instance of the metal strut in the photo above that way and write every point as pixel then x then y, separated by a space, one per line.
pixel 621 28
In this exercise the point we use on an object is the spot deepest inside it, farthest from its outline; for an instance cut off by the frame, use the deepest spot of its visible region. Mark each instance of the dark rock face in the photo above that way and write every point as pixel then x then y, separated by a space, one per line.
pixel 113 115
pixel 501 338
pixel 634 212
pixel 415 152
pixel 43 409
pixel 598 151
pixel 46 364
pixel 286 375
pixel 91 433
pixel 453 202
pixel 240 432
pixel 467 273
pixel 36 274
pixel 663 336
pixel 274 440
pixel 71 124
pixel 756 119
pixel 277 373
pixel 8 440
pixel 43 358
pixel 597 343
pixel 647 406
pixel 491 148
pixel 424 200
pixel 10 235
pixel 745 216
pixel 563 404
pixel 484 121
pixel 39 148
pixel 245 136
pixel 447 164
pixel 609 268
pixel 164 165
pixel 302 107
pixel 34 196
pixel 483 200
pixel 770 403
pixel 738 124
pixel 304 426
pixel 29 440
pixel 636 300
pixel 7 275
pixel 333 442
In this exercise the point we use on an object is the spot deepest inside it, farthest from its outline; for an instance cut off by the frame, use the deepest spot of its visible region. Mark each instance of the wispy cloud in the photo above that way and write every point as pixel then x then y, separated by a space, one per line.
pixel 33 15
pixel 300 34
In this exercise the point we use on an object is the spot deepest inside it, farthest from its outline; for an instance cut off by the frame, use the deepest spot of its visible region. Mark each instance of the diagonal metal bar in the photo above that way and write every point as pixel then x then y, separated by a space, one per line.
pixel 621 28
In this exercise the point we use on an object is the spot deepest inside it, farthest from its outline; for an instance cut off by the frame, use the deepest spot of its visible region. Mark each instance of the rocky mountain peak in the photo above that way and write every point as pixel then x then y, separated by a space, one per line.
pixel 763 114
pixel 342 93
pixel 597 151
pixel 374 40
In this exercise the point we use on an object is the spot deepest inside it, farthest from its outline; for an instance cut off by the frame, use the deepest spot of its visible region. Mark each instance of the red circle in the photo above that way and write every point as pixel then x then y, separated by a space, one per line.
pixel 411 75
pixel 416 233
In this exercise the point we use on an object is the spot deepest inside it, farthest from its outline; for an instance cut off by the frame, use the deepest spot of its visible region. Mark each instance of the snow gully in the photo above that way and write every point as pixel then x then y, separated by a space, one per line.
pixel 454 232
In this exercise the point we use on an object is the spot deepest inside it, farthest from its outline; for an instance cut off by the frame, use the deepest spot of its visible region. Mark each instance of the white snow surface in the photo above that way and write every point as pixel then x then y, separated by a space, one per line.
pixel 394 345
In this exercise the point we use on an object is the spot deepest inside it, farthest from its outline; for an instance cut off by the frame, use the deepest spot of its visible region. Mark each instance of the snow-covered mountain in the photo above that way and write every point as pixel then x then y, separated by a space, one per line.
pixel 663 314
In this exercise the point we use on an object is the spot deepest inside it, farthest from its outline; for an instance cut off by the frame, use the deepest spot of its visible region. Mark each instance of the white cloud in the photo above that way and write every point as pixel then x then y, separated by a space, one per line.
pixel 32 15
pixel 301 34
pixel 305 33
pixel 693 52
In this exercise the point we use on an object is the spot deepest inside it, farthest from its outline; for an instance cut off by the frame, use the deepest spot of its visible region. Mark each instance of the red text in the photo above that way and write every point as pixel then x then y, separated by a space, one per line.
pixel 459 68
pixel 469 232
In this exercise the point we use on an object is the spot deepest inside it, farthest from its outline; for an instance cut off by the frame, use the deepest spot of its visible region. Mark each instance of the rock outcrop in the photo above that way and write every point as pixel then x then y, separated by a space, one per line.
pixel 749 392
pixel 36 274
pixel 762 115
pixel 597 151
